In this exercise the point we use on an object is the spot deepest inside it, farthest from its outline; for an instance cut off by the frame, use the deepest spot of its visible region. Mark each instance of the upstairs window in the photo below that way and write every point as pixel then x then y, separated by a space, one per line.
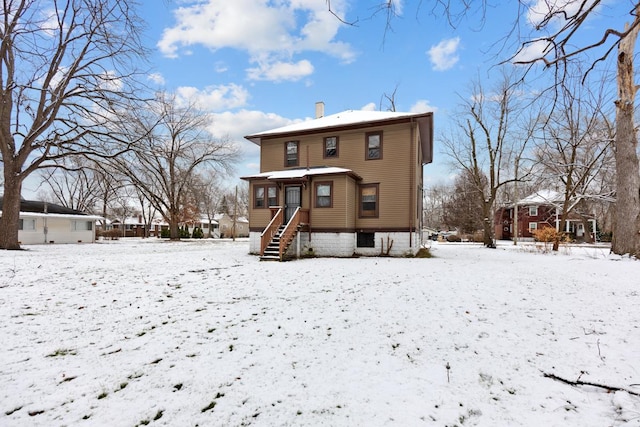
pixel 373 145
pixel 323 195
pixel 533 211
pixel 291 153
pixel 369 201
pixel 330 147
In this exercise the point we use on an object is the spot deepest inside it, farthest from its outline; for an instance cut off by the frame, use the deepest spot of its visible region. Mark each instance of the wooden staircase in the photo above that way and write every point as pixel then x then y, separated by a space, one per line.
pixel 277 237
pixel 272 251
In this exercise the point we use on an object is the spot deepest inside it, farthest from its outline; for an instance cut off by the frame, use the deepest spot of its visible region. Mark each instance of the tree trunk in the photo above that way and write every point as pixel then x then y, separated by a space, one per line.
pixel 10 209
pixel 174 230
pixel 487 226
pixel 626 233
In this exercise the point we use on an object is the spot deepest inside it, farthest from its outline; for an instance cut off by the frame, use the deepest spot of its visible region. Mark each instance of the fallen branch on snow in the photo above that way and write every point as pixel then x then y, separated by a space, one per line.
pixel 579 382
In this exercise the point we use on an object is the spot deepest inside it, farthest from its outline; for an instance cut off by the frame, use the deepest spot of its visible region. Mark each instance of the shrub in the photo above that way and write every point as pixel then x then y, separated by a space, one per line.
pixel 165 233
pixel 550 236
pixel 112 234
pixel 197 233
pixel 184 232
pixel 454 238
pixel 605 237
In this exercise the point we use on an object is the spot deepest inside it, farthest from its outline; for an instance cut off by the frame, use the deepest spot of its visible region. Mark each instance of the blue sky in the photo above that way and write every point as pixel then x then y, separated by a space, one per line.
pixel 261 64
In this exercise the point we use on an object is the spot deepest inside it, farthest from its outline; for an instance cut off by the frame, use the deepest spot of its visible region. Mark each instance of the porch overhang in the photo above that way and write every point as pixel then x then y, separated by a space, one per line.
pixel 301 175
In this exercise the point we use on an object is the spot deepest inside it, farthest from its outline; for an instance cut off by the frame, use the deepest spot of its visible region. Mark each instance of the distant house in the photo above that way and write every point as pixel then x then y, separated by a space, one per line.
pixel 227 227
pixel 344 184
pixel 539 210
pixel 134 226
pixel 42 222
pixel 209 227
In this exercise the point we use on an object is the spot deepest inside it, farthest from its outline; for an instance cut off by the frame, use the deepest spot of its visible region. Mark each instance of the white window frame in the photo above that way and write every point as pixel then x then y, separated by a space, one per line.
pixel 533 226
pixel 533 211
pixel 24 221
pixel 81 225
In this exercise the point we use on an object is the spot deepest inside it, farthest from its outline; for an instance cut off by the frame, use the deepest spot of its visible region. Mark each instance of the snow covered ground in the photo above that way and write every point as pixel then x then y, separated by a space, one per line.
pixel 137 332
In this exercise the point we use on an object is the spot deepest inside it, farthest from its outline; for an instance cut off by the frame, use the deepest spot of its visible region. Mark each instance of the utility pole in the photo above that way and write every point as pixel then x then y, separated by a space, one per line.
pixel 235 214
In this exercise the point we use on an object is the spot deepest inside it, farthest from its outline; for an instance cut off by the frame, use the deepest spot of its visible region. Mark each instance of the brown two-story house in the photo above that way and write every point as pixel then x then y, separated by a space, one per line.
pixel 341 185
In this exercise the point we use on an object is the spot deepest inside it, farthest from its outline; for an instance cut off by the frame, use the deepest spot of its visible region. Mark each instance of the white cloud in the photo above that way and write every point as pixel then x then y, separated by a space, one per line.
pixel 532 51
pixel 279 71
pixel 422 106
pixel 542 9
pixel 214 98
pixel 157 78
pixel 369 107
pixel 270 32
pixel 443 56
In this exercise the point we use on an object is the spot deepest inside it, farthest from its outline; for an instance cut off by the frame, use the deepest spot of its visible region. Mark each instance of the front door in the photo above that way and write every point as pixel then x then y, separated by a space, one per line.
pixel 291 201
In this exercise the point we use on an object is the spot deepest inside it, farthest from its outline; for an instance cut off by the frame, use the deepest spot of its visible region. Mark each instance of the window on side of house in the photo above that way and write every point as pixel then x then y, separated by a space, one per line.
pixel 533 211
pixel 81 225
pixel 265 196
pixel 324 191
pixel 272 196
pixel 366 240
pixel 330 147
pixel 373 147
pixel 258 197
pixel 533 226
pixel 291 153
pixel 27 224
pixel 369 205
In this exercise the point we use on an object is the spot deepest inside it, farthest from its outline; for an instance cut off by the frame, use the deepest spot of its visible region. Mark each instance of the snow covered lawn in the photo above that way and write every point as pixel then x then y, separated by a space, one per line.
pixel 137 332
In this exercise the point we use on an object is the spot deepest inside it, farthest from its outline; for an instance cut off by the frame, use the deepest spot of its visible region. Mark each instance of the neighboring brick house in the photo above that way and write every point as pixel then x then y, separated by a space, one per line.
pixel 539 210
pixel 344 184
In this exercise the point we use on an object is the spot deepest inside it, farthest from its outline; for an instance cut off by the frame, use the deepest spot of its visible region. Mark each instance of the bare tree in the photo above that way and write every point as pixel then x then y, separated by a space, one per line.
pixel 64 69
pixel 73 185
pixel 208 193
pixel 575 145
pixel 464 209
pixel 434 200
pixel 487 141
pixel 174 144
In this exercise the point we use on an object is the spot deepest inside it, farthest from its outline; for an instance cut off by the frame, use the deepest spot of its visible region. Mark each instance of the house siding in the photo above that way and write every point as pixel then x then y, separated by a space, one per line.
pixel 393 171
pixel 58 230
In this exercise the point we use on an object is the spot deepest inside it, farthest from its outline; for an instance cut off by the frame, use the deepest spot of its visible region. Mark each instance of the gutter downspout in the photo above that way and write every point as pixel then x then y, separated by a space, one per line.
pixel 411 184
pixel 46 228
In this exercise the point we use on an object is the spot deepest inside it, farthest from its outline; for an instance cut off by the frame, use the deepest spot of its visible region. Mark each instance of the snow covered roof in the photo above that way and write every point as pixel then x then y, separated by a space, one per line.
pixel 220 216
pixel 345 118
pixel 83 217
pixel 299 173
pixel 542 197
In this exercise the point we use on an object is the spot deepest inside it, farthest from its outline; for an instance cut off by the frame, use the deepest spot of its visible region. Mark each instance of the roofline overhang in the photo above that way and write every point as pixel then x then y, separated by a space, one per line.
pixel 425 122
